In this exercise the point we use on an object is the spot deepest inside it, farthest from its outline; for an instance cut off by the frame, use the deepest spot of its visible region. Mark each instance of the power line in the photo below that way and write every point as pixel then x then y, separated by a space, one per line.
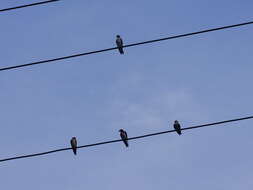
pixel 28 5
pixel 129 45
pixel 132 138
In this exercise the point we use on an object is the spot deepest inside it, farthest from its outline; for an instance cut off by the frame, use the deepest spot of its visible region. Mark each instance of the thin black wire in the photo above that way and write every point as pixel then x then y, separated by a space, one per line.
pixel 28 5
pixel 132 138
pixel 130 45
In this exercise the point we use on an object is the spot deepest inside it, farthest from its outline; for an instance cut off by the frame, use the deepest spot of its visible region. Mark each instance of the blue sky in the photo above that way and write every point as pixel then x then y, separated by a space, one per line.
pixel 199 79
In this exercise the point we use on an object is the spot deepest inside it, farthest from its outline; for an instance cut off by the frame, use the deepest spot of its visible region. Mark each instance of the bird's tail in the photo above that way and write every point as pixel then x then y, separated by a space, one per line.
pixel 74 150
pixel 126 143
pixel 121 50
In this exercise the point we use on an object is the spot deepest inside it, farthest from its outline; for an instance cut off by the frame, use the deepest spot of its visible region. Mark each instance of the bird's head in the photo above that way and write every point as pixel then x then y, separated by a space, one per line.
pixel 121 130
pixel 118 36
pixel 176 121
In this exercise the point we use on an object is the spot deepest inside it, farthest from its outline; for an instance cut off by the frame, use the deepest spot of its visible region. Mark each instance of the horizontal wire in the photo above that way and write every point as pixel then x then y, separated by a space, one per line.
pixel 132 138
pixel 130 45
pixel 28 5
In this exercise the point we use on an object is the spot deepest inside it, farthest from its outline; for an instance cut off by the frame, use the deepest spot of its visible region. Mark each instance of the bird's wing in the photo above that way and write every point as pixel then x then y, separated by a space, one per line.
pixel 73 143
pixel 119 42
pixel 123 135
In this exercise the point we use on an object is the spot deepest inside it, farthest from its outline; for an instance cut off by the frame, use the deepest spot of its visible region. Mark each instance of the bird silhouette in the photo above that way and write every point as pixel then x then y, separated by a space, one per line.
pixel 177 127
pixel 73 143
pixel 119 43
pixel 123 135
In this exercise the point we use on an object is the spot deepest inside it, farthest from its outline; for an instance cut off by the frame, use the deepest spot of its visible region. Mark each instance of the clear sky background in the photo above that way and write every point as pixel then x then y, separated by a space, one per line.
pixel 197 80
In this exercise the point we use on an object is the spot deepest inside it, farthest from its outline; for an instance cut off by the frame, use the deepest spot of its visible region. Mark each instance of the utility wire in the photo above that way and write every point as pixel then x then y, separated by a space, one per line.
pixel 132 138
pixel 28 5
pixel 130 45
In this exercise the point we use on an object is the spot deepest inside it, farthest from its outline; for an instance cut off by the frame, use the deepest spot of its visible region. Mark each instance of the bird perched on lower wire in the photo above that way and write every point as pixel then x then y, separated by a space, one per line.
pixel 119 43
pixel 123 135
pixel 73 143
pixel 177 127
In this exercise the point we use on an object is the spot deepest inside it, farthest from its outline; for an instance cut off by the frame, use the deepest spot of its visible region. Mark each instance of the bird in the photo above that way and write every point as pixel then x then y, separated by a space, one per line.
pixel 123 135
pixel 73 143
pixel 119 43
pixel 177 127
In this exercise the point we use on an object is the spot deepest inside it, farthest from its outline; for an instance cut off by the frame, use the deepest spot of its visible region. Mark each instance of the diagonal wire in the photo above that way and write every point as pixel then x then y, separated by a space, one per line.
pixel 132 138
pixel 130 45
pixel 28 5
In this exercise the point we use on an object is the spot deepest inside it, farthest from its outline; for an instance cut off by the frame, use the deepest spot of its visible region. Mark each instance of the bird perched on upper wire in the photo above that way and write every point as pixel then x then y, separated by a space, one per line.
pixel 119 43
pixel 177 127
pixel 123 135
pixel 73 143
